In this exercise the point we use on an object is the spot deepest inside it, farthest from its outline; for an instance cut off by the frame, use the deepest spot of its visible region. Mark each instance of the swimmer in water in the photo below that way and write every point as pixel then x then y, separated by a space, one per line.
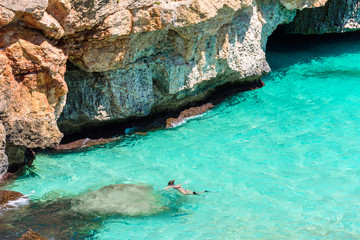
pixel 171 184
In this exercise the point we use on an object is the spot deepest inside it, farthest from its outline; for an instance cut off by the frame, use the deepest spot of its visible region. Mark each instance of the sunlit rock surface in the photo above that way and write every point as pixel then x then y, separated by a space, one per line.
pixel 32 86
pixel 335 17
pixel 131 58
pixel 123 199
pixel 170 54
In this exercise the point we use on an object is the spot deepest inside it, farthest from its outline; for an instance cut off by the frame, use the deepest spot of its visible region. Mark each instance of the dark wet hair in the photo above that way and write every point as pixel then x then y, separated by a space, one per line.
pixel 170 183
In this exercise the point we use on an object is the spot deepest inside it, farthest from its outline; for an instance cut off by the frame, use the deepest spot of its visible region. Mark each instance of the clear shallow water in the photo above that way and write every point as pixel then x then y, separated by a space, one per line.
pixel 283 160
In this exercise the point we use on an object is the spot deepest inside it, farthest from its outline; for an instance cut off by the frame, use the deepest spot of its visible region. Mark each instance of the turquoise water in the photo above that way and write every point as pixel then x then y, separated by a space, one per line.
pixel 283 161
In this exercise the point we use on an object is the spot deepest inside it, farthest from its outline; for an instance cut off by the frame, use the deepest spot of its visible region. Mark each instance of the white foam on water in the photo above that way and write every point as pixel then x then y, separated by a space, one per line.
pixel 186 120
pixel 22 201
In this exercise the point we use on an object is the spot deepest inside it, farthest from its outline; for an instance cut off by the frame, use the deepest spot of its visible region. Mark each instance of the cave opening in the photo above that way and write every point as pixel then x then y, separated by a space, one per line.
pixel 282 42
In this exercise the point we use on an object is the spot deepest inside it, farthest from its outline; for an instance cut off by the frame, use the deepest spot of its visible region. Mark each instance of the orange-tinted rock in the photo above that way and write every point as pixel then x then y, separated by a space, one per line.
pixel 48 24
pixel 84 143
pixel 33 88
pixel 32 235
pixel 172 122
pixel 6 16
pixel 7 196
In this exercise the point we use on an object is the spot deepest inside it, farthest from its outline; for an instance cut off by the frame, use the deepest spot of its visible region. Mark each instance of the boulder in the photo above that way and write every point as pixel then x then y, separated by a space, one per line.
pixel 33 88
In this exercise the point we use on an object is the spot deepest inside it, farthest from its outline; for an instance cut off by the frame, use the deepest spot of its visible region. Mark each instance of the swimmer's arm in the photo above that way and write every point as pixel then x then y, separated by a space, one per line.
pixel 182 183
pixel 168 187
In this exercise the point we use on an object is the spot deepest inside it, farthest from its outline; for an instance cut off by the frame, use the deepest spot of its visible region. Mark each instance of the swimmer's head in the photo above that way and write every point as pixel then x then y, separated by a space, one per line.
pixel 171 183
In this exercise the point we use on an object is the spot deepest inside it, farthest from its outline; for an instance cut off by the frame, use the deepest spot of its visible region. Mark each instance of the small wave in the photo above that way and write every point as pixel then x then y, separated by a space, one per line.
pixel 22 201
pixel 185 120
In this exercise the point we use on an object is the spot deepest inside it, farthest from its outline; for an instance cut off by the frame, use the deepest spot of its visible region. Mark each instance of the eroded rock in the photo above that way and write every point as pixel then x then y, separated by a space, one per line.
pixel 130 58
pixel 191 112
pixel 335 17
pixel 163 62
pixel 33 7
pixel 6 16
pixel 32 235
pixel 32 86
pixel 301 4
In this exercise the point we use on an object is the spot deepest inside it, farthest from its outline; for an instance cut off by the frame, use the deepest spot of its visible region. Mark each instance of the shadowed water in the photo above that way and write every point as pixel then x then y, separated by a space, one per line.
pixel 283 162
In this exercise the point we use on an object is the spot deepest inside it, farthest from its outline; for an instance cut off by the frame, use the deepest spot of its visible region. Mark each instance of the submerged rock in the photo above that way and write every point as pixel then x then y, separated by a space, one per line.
pixel 122 199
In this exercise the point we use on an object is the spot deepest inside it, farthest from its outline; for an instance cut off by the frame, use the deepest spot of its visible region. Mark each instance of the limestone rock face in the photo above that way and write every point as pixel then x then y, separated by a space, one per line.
pixel 336 16
pixel 301 4
pixel 168 55
pixel 4 164
pixel 32 86
pixel 127 58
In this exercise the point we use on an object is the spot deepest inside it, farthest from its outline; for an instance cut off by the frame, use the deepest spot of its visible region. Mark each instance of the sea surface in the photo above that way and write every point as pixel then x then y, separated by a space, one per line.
pixel 281 162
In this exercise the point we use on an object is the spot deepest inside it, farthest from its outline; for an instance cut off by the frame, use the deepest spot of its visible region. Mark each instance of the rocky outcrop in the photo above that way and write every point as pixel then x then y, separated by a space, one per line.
pixel 126 58
pixel 335 17
pixel 32 86
pixel 157 57
pixel 4 164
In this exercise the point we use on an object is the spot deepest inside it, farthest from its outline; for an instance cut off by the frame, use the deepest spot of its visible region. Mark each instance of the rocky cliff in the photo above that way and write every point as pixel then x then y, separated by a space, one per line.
pixel 123 58
pixel 173 53
pixel 335 17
